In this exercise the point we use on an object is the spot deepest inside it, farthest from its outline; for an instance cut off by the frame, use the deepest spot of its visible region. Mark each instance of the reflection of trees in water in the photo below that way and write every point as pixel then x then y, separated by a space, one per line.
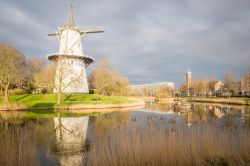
pixel 11 117
pixel 17 118
pixel 200 113
pixel 23 137
pixel 18 144
pixel 214 114
pixel 222 115
pixel 105 122
pixel 71 135
pixel 160 106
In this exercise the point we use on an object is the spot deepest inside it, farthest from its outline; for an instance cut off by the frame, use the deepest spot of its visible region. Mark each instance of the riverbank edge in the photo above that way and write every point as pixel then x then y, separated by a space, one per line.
pixel 233 101
pixel 20 107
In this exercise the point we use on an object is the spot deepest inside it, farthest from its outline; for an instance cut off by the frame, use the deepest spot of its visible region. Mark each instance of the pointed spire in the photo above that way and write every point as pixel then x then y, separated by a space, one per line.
pixel 71 15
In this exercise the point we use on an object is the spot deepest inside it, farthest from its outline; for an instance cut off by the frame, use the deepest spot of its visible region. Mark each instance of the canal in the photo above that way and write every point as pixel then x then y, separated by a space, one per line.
pixel 159 134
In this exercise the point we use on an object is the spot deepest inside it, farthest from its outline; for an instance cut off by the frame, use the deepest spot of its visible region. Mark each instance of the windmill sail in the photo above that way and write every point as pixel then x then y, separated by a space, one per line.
pixel 92 30
pixel 82 31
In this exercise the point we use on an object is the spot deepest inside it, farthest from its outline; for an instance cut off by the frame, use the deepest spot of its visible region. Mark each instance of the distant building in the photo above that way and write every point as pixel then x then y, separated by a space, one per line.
pixel 153 85
pixel 216 85
pixel 245 83
pixel 188 81
pixel 149 89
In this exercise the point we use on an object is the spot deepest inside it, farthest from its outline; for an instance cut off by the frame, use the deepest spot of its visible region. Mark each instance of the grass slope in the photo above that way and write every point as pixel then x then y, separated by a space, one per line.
pixel 43 101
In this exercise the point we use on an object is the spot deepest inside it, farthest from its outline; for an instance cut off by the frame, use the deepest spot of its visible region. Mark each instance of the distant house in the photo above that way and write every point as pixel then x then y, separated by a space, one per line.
pixel 216 87
pixel 219 89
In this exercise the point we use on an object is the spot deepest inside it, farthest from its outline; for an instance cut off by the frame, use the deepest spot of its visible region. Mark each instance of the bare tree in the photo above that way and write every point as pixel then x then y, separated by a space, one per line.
pixel 12 63
pixel 121 84
pixel 200 87
pixel 164 91
pixel 183 88
pixel 204 86
pixel 34 66
pixel 229 83
pixel 45 78
pixel 100 78
pixel 107 79
pixel 64 69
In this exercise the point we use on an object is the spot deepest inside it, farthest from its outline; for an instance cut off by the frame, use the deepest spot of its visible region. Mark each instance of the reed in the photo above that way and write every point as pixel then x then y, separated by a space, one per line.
pixel 233 100
pixel 12 106
pixel 18 146
pixel 169 143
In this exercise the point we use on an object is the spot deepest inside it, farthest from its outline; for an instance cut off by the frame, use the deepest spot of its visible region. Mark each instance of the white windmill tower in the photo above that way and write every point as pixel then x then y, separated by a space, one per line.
pixel 70 60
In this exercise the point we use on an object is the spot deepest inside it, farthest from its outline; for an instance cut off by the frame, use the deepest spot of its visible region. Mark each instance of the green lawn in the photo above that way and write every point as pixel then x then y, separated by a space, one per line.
pixel 43 101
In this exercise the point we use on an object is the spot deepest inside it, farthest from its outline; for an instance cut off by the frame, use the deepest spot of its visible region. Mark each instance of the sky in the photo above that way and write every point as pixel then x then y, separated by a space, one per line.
pixel 148 40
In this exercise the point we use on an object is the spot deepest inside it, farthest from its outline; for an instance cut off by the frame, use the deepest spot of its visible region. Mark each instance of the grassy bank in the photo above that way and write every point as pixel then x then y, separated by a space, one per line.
pixel 49 101
pixel 238 101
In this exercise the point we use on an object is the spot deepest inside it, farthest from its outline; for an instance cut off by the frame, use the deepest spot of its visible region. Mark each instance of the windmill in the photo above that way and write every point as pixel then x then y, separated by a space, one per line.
pixel 71 56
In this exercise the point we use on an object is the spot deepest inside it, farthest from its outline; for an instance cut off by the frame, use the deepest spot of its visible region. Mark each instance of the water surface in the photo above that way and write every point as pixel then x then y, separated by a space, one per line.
pixel 69 140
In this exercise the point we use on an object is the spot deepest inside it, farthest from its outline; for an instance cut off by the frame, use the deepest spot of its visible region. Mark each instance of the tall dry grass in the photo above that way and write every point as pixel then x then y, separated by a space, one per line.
pixel 12 107
pixel 233 100
pixel 17 146
pixel 158 142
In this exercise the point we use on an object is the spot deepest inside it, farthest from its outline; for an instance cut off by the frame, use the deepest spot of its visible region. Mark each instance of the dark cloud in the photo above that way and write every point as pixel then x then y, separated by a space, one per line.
pixel 148 40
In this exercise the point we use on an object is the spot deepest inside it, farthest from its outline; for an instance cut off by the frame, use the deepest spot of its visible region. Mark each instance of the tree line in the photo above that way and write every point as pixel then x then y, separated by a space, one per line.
pixel 205 86
pixel 19 75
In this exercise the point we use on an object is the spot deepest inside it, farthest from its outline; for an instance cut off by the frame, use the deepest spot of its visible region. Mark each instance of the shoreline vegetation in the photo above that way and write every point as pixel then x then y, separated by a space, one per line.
pixel 219 100
pixel 232 100
pixel 90 102
pixel 69 102
pixel 167 142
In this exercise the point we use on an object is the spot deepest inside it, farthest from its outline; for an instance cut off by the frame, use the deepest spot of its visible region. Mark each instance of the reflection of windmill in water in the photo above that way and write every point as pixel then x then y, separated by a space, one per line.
pixel 243 116
pixel 71 136
pixel 189 118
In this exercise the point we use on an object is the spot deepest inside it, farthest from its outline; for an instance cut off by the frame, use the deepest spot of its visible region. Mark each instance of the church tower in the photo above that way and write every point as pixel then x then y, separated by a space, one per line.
pixel 188 81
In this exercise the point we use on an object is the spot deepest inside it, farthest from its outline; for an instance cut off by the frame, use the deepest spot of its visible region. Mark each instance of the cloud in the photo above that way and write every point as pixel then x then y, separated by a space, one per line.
pixel 148 40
